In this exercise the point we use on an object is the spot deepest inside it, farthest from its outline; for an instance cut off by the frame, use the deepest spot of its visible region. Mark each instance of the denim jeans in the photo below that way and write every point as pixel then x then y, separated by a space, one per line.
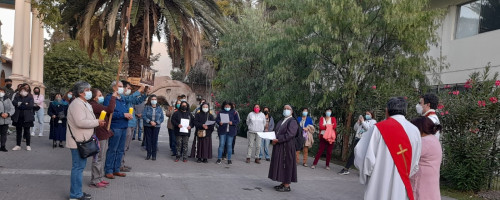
pixel 172 141
pixel 225 141
pixel 264 149
pixel 77 174
pixel 116 148
pixel 138 129
pixel 39 121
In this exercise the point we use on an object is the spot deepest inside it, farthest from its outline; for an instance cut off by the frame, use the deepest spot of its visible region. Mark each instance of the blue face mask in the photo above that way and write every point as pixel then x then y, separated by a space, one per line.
pixel 177 106
pixel 328 114
pixel 153 102
pixel 88 95
pixel 227 109
pixel 70 96
pixel 304 114
pixel 368 117
pixel 100 99
pixel 120 90
pixel 287 113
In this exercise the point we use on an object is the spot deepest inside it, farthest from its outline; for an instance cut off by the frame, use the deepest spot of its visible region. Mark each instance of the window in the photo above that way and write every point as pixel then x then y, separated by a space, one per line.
pixel 477 17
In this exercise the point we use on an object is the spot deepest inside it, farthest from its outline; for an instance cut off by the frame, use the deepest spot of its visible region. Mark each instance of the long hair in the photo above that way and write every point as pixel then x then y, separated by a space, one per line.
pixel 426 125
pixel 149 99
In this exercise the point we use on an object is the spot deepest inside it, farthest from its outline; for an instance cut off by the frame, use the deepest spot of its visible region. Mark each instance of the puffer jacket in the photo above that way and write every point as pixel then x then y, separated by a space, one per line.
pixel 6 107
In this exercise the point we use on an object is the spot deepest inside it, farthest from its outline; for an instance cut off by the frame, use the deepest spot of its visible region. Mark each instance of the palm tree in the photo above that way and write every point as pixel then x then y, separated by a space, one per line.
pixel 100 24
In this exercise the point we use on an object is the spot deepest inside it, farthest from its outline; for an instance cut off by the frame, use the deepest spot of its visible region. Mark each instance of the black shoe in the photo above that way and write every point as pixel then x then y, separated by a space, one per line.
pixel 87 195
pixel 268 159
pixel 148 157
pixel 344 172
pixel 278 186
pixel 218 161
pixel 205 160
pixel 139 139
pixel 173 154
pixel 3 149
pixel 154 158
pixel 133 138
pixel 61 146
pixel 284 189
pixel 199 160
pixel 54 145
pixel 229 162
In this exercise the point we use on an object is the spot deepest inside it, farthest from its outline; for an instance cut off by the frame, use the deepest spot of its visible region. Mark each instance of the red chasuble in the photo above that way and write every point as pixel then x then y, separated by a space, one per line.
pixel 399 146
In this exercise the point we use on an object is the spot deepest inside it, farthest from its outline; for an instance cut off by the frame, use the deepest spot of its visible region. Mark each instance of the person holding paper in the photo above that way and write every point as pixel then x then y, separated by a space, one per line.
pixel 153 117
pixel 58 110
pixel 102 133
pixel 182 120
pixel 283 167
pixel 264 149
pixel 227 131
pixel 256 122
pixel 204 144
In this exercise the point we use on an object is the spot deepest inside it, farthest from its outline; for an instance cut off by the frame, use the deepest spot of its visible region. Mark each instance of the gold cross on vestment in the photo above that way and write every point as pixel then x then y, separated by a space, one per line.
pixel 404 159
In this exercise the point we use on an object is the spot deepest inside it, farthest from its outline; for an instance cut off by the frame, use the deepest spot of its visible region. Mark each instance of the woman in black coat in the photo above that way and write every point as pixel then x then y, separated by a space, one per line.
pixel 204 144
pixel 58 111
pixel 23 118
pixel 182 137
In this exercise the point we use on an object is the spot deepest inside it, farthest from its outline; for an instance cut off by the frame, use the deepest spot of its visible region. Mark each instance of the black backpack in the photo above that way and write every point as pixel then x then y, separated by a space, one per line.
pixel 299 139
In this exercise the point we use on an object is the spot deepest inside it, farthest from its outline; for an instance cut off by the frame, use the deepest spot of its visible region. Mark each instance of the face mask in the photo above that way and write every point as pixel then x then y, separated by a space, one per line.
pixel 184 100
pixel 2 94
pixel 184 108
pixel 304 114
pixel 8 85
pixel 59 99
pixel 287 113
pixel 205 109
pixel 37 92
pixel 24 93
pixel 120 90
pixel 128 92
pixel 227 109
pixel 328 114
pixel 70 96
pixel 368 117
pixel 419 109
pixel 177 106
pixel 100 99
pixel 266 112
pixel 88 95
pixel 154 102
pixel 256 110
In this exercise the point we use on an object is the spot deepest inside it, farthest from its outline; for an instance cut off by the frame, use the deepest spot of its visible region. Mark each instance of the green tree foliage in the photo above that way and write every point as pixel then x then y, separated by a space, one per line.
pixel 326 53
pixel 62 63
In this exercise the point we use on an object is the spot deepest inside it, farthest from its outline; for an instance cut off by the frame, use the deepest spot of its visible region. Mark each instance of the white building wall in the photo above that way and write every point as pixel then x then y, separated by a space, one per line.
pixel 465 55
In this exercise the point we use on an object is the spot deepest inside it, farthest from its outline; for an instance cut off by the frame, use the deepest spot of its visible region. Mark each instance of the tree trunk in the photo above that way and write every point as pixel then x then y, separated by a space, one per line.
pixel 136 58
pixel 350 106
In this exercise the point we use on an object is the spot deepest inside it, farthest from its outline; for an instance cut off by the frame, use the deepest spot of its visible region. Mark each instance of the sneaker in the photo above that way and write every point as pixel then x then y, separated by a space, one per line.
pixel 184 160
pixel 224 158
pixel 119 174
pixel 344 172
pixel 284 189
pixel 177 159
pixel 305 165
pixel 28 148
pixel 313 167
pixel 32 133
pixel 199 160
pixel 16 148
pixel 327 168
pixel 124 169
pixel 3 149
pixel 268 159
pixel 248 160
pixel 105 182
pixel 40 135
pixel 218 161
pixel 229 162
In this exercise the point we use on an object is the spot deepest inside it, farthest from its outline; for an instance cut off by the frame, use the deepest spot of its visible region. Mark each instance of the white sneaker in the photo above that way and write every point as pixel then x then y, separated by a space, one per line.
pixel 40 135
pixel 16 148
pixel 28 148
pixel 32 133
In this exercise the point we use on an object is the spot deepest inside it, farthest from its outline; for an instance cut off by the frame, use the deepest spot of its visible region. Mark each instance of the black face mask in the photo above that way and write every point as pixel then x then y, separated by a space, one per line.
pixel 8 86
pixel 266 112
pixel 37 92
pixel 183 108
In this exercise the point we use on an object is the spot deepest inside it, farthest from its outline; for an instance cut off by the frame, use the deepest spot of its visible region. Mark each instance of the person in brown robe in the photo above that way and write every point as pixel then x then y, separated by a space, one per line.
pixel 203 147
pixel 283 167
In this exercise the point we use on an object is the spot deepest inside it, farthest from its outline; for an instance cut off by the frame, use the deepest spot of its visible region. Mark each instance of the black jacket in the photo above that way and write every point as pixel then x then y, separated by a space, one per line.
pixel 176 120
pixel 24 105
pixel 200 118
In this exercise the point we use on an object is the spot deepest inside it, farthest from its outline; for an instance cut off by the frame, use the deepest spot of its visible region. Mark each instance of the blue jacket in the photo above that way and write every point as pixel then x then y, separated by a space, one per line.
pixel 131 100
pixel 233 117
pixel 309 121
pixel 119 120
pixel 147 116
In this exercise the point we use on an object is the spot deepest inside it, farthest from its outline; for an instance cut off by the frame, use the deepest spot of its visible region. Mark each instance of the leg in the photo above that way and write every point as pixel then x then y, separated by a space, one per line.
pixel 229 142
pixel 172 140
pixel 258 143
pixel 140 128
pixel 251 144
pixel 39 116
pixel 297 157
pixel 350 161
pixel 322 145
pixel 178 146
pixel 120 150
pixel 148 133
pixel 329 150
pixel 266 148
pixel 77 174
pixel 3 135
pixel 112 151
pixel 97 164
pixel 154 140
pixel 128 139
pixel 232 146
pixel 306 150
pixel 222 145
pixel 27 135
pixel 19 135
pixel 185 144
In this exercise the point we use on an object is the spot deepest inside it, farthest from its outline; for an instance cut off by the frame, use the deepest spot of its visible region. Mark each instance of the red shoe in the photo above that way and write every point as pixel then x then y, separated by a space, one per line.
pixel 185 160
pixel 119 174
pixel 98 185
pixel 105 182
pixel 177 159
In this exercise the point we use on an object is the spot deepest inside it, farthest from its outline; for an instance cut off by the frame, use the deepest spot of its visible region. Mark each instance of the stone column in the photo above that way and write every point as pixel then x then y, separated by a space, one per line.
pixel 26 37
pixel 41 53
pixel 35 42
pixel 17 61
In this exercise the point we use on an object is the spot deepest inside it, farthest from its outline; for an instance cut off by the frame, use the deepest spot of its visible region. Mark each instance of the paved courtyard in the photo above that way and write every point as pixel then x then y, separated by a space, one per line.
pixel 44 174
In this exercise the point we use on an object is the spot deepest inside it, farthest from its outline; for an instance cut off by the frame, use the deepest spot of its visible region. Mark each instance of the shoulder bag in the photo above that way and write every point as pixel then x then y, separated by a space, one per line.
pixel 202 133
pixel 86 148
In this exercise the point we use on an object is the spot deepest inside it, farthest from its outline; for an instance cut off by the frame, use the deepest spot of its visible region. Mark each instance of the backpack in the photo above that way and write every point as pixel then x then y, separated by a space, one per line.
pixel 299 139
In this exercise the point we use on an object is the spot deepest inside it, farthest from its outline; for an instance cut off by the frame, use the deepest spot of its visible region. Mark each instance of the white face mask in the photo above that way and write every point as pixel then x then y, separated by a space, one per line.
pixel 2 94
pixel 128 92
pixel 24 93
pixel 120 90
pixel 205 109
pixel 419 109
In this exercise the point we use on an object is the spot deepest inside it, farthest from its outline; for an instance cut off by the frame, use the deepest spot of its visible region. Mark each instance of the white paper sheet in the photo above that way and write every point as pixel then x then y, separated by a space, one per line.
pixel 208 123
pixel 224 118
pixel 267 135
pixel 185 124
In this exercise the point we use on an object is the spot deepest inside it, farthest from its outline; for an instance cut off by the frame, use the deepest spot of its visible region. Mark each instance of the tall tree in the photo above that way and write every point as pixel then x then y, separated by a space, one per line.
pixel 99 24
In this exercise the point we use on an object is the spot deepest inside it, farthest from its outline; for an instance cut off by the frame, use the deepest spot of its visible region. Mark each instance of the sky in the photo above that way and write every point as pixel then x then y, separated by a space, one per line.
pixel 7 18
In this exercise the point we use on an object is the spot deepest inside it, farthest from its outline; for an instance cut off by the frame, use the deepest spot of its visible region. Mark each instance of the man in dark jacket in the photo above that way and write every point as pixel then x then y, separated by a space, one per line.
pixel 182 133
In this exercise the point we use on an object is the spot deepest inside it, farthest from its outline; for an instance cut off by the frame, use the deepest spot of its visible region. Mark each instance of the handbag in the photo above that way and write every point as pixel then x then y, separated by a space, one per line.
pixel 202 133
pixel 86 148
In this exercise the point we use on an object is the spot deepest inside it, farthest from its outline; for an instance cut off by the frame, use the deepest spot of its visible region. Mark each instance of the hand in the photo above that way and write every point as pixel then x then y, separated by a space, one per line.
pixel 275 141
pixel 180 126
pixel 152 123
pixel 102 123
pixel 205 126
pixel 53 116
pixel 5 115
pixel 139 115
pixel 230 123
pixel 189 128
pixel 141 89
pixel 220 123
pixel 128 116
pixel 150 88
pixel 115 93
pixel 362 120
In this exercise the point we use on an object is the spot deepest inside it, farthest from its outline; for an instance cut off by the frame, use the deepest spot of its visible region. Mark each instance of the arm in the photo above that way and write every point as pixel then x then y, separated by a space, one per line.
pixel 145 116
pixel 39 100
pixel 161 118
pixel 78 114
pixel 365 153
pixel 50 111
pixel 290 131
pixel 271 124
pixel 197 122
pixel 217 120
pixel 236 119
pixel 135 98
pixel 176 119
pixel 12 110
pixel 28 106
pixel 191 120
pixel 111 105
pixel 321 124
pixel 15 102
